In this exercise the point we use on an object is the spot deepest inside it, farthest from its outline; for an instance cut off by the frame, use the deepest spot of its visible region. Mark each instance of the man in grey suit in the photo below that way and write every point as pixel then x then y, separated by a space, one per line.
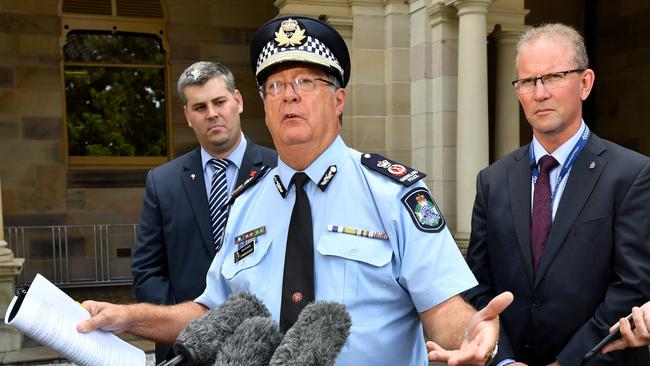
pixel 175 244
pixel 564 222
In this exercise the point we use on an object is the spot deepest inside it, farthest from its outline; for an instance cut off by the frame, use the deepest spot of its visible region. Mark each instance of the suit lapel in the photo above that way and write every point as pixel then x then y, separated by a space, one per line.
pixel 194 185
pixel 582 179
pixel 252 161
pixel 519 181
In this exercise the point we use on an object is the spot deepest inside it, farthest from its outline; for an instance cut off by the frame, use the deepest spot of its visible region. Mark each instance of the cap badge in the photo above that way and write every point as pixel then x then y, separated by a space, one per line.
pixel 289 33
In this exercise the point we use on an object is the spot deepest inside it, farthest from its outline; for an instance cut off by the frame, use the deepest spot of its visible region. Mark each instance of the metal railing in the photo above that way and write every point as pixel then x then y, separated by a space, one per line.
pixel 74 255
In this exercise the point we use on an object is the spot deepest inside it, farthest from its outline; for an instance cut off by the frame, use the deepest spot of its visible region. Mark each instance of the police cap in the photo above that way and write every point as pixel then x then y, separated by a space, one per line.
pixel 299 39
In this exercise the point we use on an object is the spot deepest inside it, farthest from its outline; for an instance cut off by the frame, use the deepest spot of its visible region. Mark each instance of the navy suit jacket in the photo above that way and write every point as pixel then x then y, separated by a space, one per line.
pixel 174 246
pixel 595 266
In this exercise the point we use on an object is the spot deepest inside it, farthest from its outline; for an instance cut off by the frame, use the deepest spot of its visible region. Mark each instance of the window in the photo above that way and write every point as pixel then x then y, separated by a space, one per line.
pixel 115 84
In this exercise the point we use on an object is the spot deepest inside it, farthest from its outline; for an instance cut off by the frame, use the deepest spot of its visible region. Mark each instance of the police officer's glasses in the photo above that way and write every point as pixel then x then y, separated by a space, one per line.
pixel 300 85
pixel 550 81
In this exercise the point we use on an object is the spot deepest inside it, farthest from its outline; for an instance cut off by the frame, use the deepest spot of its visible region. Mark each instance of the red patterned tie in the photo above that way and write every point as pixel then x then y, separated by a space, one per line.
pixel 542 209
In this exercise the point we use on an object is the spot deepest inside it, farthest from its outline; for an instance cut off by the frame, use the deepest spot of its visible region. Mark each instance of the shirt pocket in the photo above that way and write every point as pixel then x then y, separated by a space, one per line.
pixel 230 269
pixel 358 266
pixel 375 252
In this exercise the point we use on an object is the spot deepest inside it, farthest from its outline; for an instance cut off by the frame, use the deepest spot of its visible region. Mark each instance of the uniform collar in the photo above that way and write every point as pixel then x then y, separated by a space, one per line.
pixel 334 155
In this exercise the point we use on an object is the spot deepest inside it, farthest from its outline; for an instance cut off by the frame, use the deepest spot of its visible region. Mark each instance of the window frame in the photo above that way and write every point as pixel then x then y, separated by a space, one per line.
pixel 90 23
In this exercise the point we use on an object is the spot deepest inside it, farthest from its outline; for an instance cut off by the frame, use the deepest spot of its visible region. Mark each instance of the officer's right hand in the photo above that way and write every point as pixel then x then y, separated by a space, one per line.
pixel 105 316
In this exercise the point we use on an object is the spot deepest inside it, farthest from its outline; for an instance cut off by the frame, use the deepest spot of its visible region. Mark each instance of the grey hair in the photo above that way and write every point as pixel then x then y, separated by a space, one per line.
pixel 334 80
pixel 336 85
pixel 558 32
pixel 200 72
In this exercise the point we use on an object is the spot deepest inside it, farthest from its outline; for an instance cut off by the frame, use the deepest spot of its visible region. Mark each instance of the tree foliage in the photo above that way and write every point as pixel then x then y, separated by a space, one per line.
pixel 114 110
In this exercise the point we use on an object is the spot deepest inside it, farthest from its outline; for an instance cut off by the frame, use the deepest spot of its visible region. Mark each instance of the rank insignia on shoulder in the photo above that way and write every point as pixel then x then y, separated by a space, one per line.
pixel 254 177
pixel 400 173
pixel 423 210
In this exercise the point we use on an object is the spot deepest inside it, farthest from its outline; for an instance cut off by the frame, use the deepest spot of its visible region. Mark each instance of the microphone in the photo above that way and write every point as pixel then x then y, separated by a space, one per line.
pixel 252 344
pixel 316 338
pixel 200 341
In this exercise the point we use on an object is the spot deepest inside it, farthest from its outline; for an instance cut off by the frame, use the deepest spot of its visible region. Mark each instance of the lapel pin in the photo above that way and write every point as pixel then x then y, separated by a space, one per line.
pixel 192 176
pixel 592 165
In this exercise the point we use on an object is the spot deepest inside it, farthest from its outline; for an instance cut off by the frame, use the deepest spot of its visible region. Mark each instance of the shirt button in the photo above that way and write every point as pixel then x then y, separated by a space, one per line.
pixel 296 297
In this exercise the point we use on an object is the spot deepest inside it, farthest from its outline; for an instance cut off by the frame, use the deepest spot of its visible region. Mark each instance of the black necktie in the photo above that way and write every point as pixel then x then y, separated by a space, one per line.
pixel 298 277
pixel 542 217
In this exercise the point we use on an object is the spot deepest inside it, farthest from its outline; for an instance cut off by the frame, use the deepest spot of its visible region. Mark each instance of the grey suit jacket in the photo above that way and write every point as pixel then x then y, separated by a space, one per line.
pixel 595 266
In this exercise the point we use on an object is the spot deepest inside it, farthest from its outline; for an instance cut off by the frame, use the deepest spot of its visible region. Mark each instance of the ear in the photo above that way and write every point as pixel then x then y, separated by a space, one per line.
pixel 240 101
pixel 339 99
pixel 586 83
pixel 185 112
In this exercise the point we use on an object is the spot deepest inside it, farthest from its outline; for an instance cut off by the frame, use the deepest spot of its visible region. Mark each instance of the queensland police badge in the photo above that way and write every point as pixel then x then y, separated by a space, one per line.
pixel 423 210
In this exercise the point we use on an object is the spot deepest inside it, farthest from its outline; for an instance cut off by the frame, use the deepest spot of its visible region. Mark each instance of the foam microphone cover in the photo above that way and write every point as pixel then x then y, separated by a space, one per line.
pixel 252 344
pixel 203 337
pixel 316 338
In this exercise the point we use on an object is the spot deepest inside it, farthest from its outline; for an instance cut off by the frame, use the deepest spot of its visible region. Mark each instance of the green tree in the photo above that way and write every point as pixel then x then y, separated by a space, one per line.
pixel 115 110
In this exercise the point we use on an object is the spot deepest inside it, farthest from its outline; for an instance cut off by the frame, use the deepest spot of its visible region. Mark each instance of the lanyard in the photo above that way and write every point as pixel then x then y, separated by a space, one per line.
pixel 580 144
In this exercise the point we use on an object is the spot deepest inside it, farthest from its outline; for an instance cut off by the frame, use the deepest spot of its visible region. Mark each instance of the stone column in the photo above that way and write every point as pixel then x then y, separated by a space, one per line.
pixel 472 146
pixel 434 71
pixel 10 267
pixel 506 109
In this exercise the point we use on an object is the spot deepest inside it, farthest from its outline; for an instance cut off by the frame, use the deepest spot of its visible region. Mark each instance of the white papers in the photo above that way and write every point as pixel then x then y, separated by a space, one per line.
pixel 49 316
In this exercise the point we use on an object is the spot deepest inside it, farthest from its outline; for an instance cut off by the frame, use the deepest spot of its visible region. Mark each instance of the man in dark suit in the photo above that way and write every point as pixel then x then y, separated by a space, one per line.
pixel 175 244
pixel 564 222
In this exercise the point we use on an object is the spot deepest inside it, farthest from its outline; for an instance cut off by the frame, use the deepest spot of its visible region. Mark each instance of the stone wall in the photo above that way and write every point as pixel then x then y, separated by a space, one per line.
pixel 38 188
pixel 620 58
pixel 32 160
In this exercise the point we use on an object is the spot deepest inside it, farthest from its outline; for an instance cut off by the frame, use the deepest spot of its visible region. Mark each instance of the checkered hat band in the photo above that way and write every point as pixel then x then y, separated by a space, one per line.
pixel 312 51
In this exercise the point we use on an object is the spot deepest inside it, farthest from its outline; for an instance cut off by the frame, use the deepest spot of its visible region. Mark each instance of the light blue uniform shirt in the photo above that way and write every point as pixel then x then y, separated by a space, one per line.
pixel 236 157
pixel 383 283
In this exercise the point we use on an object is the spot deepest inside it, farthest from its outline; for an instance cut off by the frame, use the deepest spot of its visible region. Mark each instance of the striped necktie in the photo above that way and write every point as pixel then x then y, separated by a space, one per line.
pixel 218 196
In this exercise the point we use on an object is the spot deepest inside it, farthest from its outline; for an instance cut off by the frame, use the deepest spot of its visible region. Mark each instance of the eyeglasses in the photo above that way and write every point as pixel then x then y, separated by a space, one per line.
pixel 300 85
pixel 550 81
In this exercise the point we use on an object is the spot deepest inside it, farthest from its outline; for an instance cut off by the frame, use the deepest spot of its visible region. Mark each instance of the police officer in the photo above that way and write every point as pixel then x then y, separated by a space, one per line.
pixel 378 241
pixel 331 223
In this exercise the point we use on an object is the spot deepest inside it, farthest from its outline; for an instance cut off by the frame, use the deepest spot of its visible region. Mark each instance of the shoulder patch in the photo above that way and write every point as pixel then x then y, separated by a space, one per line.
pixel 400 173
pixel 423 210
pixel 254 177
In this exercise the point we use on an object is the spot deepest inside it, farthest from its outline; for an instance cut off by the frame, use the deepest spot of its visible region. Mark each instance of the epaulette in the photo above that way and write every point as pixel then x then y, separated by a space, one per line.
pixel 400 173
pixel 255 176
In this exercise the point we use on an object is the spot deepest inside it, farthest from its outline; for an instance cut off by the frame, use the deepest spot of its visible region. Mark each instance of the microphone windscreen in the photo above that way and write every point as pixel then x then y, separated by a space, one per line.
pixel 252 344
pixel 200 341
pixel 316 338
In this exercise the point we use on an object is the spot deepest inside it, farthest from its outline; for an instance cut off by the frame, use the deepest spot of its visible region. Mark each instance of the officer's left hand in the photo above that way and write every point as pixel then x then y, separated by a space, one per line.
pixel 483 333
